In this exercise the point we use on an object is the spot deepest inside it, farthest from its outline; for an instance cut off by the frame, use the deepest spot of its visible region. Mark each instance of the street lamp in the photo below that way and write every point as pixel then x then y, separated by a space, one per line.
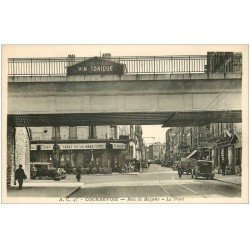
pixel 56 151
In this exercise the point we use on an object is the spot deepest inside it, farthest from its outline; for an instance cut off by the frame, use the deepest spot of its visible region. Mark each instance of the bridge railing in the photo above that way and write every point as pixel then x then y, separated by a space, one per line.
pixel 133 65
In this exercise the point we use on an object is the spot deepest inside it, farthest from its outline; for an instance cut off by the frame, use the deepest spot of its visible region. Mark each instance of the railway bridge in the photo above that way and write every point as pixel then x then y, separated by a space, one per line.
pixel 171 91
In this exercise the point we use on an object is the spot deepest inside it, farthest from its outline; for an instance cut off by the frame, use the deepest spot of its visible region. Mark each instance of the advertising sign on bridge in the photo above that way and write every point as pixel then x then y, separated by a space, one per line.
pixel 96 66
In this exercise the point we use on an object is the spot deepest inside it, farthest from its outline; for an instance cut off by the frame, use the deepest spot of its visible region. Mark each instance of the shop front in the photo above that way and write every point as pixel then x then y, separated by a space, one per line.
pixel 90 157
pixel 226 154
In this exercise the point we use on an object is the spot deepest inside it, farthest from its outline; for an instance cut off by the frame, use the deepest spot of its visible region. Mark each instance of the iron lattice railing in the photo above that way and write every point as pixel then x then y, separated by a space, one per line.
pixel 133 65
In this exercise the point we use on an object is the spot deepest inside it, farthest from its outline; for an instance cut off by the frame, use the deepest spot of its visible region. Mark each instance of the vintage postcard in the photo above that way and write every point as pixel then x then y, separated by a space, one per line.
pixel 125 124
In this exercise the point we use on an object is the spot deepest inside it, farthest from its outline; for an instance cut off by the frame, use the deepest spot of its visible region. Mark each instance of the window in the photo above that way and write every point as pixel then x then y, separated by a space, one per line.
pixel 72 133
pixel 113 132
pixel 92 132
pixel 56 133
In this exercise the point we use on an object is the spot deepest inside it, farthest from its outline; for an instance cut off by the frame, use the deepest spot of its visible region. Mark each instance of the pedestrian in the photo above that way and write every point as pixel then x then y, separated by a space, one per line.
pixel 33 171
pixel 78 174
pixel 138 166
pixel 223 167
pixel 149 163
pixel 180 171
pixel 20 176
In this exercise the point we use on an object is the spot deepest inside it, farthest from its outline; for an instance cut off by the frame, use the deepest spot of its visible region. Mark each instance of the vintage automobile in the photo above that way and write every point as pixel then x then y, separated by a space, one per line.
pixel 157 161
pixel 166 164
pixel 203 168
pixel 46 169
pixel 144 164
pixel 187 165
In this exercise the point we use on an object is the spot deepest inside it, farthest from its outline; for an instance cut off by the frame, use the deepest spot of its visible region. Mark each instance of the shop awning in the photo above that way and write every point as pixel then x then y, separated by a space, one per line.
pixel 118 145
pixel 191 154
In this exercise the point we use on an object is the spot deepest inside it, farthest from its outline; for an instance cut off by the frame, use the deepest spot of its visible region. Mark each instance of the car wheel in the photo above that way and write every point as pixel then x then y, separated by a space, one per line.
pixel 212 177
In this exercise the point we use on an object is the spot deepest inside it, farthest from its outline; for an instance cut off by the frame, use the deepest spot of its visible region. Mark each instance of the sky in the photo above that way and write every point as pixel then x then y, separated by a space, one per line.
pixel 153 133
pixel 115 50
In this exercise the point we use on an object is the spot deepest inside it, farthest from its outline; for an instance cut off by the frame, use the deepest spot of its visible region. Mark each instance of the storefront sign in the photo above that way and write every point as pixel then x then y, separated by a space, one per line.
pixel 47 147
pixel 33 147
pixel 76 146
pixel 96 66
pixel 118 145
pixel 83 146
pixel 42 146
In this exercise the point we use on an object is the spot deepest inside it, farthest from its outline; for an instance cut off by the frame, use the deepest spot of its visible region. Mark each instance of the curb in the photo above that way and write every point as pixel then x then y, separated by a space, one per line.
pixel 72 192
pixel 238 184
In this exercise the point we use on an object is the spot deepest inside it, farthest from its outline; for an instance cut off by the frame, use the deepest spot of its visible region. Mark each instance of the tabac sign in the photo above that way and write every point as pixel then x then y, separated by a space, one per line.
pixel 96 66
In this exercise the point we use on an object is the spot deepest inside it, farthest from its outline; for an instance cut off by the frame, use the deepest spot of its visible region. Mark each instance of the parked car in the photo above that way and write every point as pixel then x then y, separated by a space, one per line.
pixel 144 164
pixel 166 164
pixel 157 162
pixel 47 169
pixel 187 165
pixel 203 168
pixel 61 172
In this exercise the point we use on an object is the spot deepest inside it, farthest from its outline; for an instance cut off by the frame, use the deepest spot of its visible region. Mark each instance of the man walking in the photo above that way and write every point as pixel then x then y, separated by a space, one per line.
pixel 223 167
pixel 78 174
pixel 20 176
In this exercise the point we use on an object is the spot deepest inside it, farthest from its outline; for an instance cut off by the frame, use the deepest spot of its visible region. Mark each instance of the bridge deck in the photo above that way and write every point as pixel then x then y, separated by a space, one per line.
pixel 168 119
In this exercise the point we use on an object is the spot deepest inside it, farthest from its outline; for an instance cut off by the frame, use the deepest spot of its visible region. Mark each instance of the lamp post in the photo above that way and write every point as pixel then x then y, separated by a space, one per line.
pixel 56 151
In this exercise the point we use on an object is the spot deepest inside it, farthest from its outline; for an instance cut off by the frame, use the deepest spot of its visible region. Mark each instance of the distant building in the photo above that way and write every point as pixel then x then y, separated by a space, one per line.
pixel 156 151
pixel 217 142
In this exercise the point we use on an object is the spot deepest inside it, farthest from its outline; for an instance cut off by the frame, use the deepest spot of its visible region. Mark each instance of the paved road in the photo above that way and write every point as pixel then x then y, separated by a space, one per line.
pixel 156 181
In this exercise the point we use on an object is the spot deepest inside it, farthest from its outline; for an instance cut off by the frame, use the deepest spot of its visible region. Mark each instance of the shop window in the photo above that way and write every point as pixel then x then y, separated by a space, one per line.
pixel 72 133
pixel 92 132
pixel 131 150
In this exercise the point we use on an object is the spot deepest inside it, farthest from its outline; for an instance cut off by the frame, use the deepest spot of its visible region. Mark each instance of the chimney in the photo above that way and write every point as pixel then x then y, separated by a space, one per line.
pixel 106 56
pixel 71 60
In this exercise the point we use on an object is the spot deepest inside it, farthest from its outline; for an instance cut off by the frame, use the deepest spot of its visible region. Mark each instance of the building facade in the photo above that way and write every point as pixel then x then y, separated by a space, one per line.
pixel 156 151
pixel 217 142
pixel 100 146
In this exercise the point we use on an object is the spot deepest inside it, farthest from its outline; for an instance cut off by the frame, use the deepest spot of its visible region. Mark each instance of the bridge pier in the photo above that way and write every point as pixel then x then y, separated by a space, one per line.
pixel 18 152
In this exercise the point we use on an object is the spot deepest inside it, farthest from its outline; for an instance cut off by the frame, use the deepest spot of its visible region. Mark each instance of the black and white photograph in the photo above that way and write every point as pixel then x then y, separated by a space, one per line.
pixel 125 124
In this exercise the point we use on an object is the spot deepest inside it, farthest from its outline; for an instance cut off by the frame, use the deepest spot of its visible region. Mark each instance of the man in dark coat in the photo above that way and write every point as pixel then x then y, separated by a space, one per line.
pixel 20 176
pixel 223 167
pixel 138 166
pixel 78 174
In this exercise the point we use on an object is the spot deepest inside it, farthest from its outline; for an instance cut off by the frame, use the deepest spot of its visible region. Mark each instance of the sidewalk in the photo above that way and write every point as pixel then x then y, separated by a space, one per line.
pixel 31 189
pixel 232 179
